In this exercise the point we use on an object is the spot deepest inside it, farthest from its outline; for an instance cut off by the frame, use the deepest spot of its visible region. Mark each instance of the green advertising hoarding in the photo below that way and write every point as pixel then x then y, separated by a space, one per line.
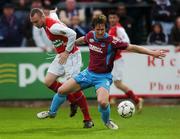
pixel 22 72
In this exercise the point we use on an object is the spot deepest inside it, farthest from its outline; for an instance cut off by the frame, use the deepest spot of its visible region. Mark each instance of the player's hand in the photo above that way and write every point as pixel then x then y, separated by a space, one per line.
pixel 63 57
pixel 177 49
pixel 160 53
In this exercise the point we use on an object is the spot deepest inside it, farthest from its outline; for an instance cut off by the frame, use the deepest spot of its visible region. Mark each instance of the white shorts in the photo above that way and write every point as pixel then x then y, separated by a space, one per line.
pixel 68 70
pixel 117 71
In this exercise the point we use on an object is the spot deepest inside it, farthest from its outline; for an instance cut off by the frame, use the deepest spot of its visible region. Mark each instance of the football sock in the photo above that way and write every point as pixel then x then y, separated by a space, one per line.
pixel 54 86
pixel 131 95
pixel 58 100
pixel 105 113
pixel 79 99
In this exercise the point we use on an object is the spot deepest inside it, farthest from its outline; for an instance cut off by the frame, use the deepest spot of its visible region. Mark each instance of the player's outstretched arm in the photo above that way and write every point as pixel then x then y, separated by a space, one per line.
pixel 142 50
pixel 80 41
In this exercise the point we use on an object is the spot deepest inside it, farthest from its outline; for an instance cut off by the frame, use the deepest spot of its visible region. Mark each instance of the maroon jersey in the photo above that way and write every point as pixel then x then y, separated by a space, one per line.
pixel 102 52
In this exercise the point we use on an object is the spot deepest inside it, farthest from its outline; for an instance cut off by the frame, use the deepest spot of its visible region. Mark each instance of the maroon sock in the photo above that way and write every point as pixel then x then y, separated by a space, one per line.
pixel 131 95
pixel 54 86
pixel 79 99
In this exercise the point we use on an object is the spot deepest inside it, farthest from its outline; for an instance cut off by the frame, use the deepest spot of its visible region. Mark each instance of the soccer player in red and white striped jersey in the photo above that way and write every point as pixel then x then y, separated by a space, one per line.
pixel 66 63
pixel 116 30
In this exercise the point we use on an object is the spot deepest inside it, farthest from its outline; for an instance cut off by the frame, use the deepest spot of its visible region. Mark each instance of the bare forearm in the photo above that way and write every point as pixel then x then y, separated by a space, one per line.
pixel 80 41
pixel 140 49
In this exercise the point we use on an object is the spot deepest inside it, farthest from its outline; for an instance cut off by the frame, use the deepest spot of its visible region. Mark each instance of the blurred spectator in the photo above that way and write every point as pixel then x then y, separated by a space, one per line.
pixel 127 22
pixel 71 10
pixel 75 25
pixel 163 12
pixel 47 2
pixel 115 28
pixel 10 28
pixel 2 2
pixel 47 8
pixel 21 11
pixel 96 13
pixel 28 27
pixel 175 34
pixel 156 37
pixel 93 13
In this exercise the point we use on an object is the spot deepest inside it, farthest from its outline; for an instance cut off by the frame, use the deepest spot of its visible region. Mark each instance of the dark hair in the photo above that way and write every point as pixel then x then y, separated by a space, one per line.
pixel 36 11
pixel 113 12
pixel 101 19
pixel 158 25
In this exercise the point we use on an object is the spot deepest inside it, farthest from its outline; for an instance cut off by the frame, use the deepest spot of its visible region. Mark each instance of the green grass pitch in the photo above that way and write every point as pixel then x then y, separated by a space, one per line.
pixel 152 123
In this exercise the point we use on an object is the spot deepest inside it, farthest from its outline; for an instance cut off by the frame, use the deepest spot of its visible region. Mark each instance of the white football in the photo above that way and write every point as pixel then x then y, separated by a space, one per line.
pixel 126 109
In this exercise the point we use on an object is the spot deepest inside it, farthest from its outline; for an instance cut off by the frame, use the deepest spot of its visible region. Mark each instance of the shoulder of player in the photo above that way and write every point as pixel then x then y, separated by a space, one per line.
pixel 89 35
pixel 50 21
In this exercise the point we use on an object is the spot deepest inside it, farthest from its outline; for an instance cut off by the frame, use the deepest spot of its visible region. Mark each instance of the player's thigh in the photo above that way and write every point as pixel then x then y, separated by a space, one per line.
pixel 117 71
pixel 50 78
pixel 70 86
pixel 73 65
pixel 56 68
pixel 102 96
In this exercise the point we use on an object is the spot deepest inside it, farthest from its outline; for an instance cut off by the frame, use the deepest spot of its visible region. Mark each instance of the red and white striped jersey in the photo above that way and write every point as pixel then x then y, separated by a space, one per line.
pixel 119 32
pixel 62 37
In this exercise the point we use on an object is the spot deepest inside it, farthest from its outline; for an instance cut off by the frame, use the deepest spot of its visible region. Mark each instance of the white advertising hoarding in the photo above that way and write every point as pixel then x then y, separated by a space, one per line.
pixel 147 76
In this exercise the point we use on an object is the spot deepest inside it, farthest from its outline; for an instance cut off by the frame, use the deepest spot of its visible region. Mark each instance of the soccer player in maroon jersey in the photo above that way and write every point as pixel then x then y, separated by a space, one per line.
pixel 116 30
pixel 66 63
pixel 98 74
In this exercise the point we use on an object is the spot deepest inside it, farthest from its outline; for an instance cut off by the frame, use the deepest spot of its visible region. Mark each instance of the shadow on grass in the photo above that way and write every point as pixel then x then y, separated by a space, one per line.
pixel 53 131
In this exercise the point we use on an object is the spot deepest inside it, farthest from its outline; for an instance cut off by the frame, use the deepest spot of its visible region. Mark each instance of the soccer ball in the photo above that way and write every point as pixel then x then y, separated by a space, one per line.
pixel 126 109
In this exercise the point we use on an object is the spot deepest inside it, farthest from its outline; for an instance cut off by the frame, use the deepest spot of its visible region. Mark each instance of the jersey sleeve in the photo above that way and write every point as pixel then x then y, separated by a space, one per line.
pixel 121 33
pixel 88 36
pixel 53 15
pixel 118 44
pixel 60 29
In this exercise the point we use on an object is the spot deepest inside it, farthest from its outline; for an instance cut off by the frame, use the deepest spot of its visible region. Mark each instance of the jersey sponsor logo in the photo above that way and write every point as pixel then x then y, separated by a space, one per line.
pixel 115 40
pixel 96 49
pixel 57 43
pixel 91 40
pixel 63 32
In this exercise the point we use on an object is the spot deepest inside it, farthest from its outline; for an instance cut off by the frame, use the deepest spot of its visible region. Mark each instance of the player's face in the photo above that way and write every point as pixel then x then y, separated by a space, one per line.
pixel 100 30
pixel 113 20
pixel 37 20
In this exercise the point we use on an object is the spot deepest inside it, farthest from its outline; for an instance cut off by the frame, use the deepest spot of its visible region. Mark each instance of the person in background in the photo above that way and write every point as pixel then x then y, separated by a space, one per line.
pixel 164 13
pixel 116 30
pixel 96 13
pixel 28 28
pixel 127 22
pixel 71 10
pixel 175 34
pixel 10 28
pixel 157 36
pixel 76 26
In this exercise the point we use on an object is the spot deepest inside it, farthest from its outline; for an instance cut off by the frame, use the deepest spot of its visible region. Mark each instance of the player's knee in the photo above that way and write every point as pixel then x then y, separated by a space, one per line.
pixel 103 103
pixel 47 82
pixel 118 83
pixel 60 90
